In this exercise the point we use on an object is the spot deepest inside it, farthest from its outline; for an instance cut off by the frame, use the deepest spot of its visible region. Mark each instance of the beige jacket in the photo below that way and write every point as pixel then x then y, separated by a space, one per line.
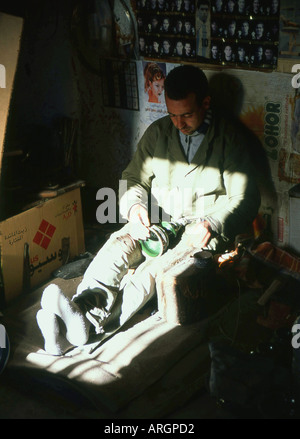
pixel 219 184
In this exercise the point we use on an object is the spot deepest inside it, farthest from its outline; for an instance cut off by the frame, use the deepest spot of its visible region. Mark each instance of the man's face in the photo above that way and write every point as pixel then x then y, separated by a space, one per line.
pixel 241 52
pixel 203 13
pixel 259 52
pixel 166 24
pixel 268 54
pixel 187 48
pixel 166 46
pixel 245 28
pixel 179 25
pixel 188 26
pixel 219 4
pixel 231 29
pixel 228 52
pixel 259 30
pixel 230 6
pixel 241 4
pixel 214 51
pixel 179 47
pixel 186 114
pixel 154 23
pixel 255 5
pixel 275 5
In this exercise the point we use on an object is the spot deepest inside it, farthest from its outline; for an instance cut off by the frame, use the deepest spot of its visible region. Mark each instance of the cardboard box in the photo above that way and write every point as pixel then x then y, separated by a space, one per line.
pixel 40 240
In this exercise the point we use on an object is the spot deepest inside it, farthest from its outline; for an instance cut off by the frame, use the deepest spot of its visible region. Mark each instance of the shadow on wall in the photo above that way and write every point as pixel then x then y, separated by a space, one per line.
pixel 227 94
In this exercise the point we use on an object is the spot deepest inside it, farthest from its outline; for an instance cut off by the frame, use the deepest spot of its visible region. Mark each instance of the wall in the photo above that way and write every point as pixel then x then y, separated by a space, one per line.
pixel 44 91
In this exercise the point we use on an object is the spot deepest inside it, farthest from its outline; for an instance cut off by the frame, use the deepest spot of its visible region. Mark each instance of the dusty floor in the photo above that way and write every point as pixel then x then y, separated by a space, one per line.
pixel 18 400
pixel 18 404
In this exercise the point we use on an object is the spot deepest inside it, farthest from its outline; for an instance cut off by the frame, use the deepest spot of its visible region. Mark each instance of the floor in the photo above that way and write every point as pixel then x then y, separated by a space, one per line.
pixel 15 404
pixel 19 401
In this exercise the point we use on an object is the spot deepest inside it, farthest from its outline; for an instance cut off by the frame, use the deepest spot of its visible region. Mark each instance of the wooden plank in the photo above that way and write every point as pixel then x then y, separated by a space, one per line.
pixel 10 31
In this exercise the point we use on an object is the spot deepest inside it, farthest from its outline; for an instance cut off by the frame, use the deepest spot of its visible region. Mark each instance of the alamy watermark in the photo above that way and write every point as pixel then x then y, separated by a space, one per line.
pixel 296 336
pixel 2 337
pixel 177 200
pixel 2 76
pixel 295 78
pixel 4 348
pixel 296 328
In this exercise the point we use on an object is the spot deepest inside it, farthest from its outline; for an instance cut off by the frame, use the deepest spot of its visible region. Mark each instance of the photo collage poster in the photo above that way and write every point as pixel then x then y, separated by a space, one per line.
pixel 239 33
pixel 167 29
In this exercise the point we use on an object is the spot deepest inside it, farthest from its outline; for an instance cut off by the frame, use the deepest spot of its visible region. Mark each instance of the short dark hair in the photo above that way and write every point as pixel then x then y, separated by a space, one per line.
pixel 186 79
pixel 203 2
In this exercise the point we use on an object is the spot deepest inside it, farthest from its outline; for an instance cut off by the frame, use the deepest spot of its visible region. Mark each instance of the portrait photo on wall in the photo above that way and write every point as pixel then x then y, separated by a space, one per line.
pixel 154 78
pixel 245 32
pixel 167 29
pixel 242 33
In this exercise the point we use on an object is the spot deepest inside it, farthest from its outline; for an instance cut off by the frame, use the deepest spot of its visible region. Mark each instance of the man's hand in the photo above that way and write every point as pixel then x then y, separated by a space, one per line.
pixel 198 234
pixel 139 222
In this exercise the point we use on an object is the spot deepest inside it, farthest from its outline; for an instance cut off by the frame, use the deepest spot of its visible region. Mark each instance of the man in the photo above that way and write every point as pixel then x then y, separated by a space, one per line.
pixel 203 10
pixel 162 5
pixel 259 31
pixel 241 55
pixel 257 57
pixel 166 46
pixel 178 49
pixel 203 29
pixel 218 7
pixel 142 46
pixel 178 27
pixel 215 55
pixel 230 7
pixel 254 8
pixel 269 57
pixel 244 32
pixel 231 29
pixel 214 29
pixel 154 25
pixel 196 167
pixel 178 6
pixel 165 26
pixel 188 7
pixel 241 7
pixel 275 7
pixel 228 53
pixel 188 51
pixel 188 28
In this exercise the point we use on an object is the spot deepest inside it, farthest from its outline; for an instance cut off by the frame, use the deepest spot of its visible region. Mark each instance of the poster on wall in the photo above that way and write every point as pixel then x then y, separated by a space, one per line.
pixel 245 32
pixel 151 77
pixel 239 33
pixel 166 29
pixel 289 46
pixel 268 110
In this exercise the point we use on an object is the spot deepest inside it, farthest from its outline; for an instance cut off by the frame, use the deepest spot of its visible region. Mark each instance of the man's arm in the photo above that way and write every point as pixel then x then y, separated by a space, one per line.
pixel 138 176
pixel 243 196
